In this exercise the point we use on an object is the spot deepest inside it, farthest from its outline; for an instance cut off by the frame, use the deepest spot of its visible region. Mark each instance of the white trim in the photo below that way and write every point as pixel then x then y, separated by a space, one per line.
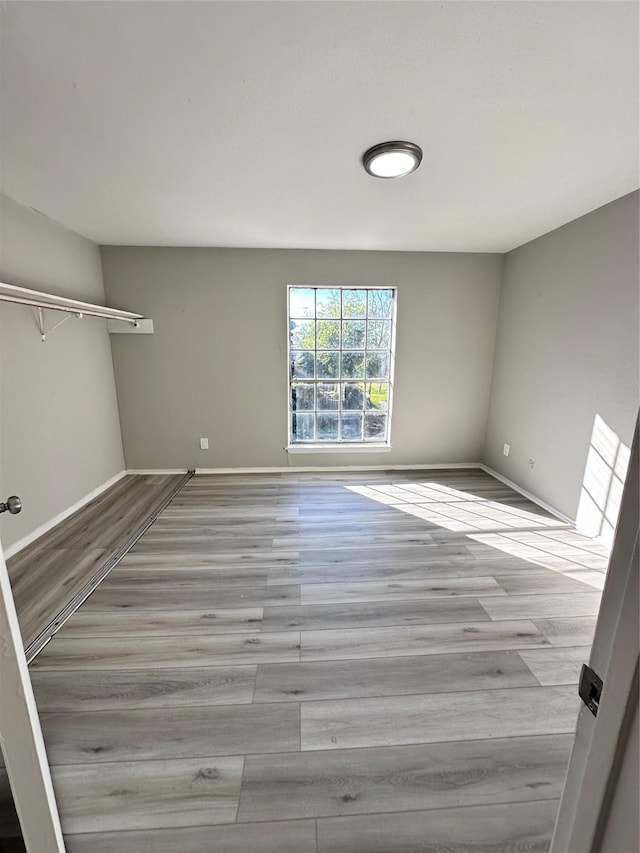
pixel 526 494
pixel 339 447
pixel 21 736
pixel 46 527
pixel 299 469
pixel 315 380
pixel 157 471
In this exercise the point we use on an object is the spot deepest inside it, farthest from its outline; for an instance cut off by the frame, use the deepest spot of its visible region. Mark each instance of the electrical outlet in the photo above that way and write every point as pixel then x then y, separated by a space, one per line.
pixel 531 463
pixel 506 449
pixel 204 444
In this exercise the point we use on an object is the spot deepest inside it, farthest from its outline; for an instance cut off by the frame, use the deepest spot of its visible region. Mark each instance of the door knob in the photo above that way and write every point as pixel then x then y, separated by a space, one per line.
pixel 13 505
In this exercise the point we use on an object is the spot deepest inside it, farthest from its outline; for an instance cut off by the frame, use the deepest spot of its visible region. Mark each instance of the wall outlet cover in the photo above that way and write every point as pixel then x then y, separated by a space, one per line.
pixel 204 444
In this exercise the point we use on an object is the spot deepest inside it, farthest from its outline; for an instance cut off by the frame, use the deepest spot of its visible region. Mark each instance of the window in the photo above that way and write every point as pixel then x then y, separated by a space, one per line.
pixel 340 364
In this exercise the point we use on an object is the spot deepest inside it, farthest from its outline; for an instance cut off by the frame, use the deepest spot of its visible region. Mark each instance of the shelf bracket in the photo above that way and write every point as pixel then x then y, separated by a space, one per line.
pixel 41 324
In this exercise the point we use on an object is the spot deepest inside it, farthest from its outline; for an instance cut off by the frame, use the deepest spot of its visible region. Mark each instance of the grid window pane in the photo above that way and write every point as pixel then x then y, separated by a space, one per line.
pixel 302 363
pixel 303 427
pixel 328 396
pixel 378 395
pixel 379 334
pixel 353 334
pixel 375 426
pixel 328 365
pixel 352 365
pixel 340 364
pixel 302 334
pixel 378 365
pixel 327 334
pixel 328 427
pixel 303 396
pixel 380 304
pixel 302 302
pixel 353 396
pixel 351 426
pixel 354 303
pixel 328 302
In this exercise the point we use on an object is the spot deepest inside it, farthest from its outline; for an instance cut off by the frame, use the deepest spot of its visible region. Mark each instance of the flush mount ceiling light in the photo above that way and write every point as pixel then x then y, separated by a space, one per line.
pixel 392 159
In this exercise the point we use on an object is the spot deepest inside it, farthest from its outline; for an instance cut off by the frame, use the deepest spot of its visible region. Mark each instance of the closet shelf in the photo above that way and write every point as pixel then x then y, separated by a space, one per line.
pixel 71 307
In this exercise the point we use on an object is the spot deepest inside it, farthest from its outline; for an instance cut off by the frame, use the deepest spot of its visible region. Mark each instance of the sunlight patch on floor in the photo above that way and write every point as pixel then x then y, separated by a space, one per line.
pixel 452 509
pixel 564 551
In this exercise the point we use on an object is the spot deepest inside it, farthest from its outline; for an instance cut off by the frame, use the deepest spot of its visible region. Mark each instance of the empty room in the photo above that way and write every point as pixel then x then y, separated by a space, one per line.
pixel 319 389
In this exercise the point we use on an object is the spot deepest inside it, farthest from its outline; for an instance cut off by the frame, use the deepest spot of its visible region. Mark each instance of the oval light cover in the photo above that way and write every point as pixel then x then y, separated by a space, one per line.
pixel 392 159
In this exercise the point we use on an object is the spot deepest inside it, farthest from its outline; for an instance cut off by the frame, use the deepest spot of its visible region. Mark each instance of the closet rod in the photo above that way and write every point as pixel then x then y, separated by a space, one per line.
pixel 38 299
pixel 79 312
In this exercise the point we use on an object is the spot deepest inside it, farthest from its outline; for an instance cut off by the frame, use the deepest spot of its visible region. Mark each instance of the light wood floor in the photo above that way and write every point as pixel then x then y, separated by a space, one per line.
pixel 378 663
pixel 49 572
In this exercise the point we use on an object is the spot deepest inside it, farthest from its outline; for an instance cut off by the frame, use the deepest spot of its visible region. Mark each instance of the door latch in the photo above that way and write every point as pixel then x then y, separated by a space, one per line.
pixel 590 689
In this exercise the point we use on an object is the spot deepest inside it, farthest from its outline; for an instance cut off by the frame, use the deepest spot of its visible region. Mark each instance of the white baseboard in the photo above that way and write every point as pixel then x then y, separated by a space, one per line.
pixel 533 498
pixel 300 469
pixel 44 528
pixel 156 471
pixel 297 469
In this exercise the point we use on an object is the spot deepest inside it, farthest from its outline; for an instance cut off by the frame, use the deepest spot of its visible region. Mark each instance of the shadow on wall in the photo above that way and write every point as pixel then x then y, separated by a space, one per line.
pixel 604 475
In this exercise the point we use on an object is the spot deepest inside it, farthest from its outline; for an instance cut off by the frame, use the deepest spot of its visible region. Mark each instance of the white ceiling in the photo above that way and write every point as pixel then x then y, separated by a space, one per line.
pixel 243 124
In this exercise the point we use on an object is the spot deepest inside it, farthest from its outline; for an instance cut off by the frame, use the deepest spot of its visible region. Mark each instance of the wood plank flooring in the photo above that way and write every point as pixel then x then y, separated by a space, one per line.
pixel 320 663
pixel 517 827
pixel 367 781
pixel 49 572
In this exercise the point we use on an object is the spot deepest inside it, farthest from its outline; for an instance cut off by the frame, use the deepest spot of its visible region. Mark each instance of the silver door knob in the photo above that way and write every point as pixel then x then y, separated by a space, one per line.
pixel 12 505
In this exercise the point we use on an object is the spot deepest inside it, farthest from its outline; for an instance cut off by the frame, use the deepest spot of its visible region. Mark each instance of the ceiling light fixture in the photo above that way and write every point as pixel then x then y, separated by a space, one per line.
pixel 392 159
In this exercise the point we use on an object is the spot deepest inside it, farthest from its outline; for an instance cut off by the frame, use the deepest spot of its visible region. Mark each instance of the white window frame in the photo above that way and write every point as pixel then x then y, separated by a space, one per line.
pixel 341 445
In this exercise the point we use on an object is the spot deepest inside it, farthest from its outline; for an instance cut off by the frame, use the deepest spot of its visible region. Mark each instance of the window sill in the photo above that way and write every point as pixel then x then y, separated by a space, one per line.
pixel 342 447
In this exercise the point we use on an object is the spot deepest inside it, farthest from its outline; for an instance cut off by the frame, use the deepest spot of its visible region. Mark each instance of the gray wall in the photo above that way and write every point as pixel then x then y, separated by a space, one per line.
pixel 217 363
pixel 59 428
pixel 567 359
